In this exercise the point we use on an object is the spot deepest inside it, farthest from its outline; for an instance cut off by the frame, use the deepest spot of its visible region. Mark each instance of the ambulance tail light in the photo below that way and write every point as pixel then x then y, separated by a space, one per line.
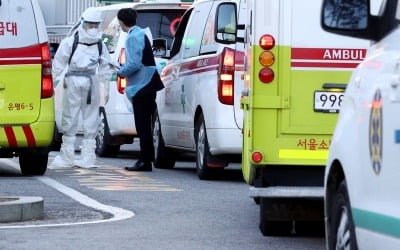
pixel 266 75
pixel 267 42
pixel 121 81
pixel 266 59
pixel 257 157
pixel 47 79
pixel 226 76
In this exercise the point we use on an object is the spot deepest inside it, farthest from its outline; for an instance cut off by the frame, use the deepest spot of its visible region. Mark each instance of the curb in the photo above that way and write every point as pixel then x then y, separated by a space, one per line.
pixel 14 209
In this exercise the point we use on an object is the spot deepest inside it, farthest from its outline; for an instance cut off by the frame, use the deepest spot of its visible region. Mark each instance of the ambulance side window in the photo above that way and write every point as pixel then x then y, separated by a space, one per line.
pixel 398 11
pixel 180 31
pixel 193 37
pixel 208 43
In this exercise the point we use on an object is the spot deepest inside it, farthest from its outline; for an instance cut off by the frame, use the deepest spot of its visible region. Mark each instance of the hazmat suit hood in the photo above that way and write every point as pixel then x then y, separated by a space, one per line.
pixel 86 33
pixel 86 37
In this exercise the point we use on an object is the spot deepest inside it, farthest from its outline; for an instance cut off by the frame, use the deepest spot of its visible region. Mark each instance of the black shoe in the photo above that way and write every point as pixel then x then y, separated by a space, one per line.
pixel 140 166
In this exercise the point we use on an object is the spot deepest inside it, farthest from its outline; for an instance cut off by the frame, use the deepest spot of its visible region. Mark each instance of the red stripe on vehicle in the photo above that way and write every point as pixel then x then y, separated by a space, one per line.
pixel 20 61
pixel 204 65
pixel 24 55
pixel 12 140
pixel 329 54
pixel 323 65
pixel 29 136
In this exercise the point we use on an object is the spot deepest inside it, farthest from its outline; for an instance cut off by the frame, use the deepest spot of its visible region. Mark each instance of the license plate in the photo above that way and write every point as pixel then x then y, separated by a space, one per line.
pixel 329 102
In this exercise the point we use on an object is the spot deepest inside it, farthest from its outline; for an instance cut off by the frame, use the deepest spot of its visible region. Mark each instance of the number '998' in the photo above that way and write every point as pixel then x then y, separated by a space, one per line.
pixel 331 100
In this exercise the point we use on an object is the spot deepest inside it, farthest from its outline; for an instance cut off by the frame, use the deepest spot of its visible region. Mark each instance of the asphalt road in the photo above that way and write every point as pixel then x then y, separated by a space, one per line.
pixel 110 208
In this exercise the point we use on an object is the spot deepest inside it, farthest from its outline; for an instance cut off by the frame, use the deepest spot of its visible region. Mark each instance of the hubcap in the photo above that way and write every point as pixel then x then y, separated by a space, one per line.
pixel 156 139
pixel 100 134
pixel 343 234
pixel 200 146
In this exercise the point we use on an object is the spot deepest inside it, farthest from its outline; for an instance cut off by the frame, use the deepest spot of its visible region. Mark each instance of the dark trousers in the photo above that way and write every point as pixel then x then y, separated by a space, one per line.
pixel 143 108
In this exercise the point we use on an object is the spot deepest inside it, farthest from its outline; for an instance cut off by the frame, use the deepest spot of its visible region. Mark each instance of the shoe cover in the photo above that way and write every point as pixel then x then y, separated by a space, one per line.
pixel 66 157
pixel 88 155
pixel 59 163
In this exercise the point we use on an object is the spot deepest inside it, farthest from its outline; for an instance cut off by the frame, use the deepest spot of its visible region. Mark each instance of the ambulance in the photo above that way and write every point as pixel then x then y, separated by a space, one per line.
pixel 26 86
pixel 295 77
pixel 199 109
pixel 362 177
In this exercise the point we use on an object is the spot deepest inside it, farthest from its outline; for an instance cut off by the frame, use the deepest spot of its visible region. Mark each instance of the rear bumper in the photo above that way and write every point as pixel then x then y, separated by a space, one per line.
pixel 121 124
pixel 287 192
pixel 225 141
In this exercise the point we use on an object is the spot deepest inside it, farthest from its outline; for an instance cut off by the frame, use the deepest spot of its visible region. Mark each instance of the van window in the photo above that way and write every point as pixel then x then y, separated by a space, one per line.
pixel 111 35
pixel 208 44
pixel 162 23
pixel 195 30
pixel 178 38
pixel 17 24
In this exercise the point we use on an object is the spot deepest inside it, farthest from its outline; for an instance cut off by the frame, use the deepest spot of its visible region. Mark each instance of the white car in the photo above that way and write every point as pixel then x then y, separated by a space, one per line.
pixel 199 109
pixel 117 126
pixel 362 177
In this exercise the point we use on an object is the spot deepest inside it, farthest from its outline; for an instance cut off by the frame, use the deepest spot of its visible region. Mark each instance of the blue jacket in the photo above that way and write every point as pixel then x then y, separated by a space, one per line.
pixel 140 67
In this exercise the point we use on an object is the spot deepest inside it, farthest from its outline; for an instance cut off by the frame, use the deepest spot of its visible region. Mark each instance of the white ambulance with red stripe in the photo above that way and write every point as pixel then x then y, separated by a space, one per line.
pixel 26 86
pixel 199 109
pixel 295 77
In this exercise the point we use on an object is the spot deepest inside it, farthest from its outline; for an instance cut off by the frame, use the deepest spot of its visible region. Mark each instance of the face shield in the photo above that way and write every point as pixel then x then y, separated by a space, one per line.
pixel 91 28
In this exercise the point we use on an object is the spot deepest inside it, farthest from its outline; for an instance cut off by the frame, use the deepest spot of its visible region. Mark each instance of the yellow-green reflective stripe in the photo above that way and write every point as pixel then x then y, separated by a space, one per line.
pixel 303 154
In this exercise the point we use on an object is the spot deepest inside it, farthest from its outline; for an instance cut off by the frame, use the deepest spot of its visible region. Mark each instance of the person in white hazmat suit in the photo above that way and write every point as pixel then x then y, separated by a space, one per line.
pixel 81 75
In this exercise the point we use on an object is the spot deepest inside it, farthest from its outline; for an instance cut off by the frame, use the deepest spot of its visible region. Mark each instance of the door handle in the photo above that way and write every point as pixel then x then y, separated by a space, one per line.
pixel 334 86
pixel 395 81
pixel 175 73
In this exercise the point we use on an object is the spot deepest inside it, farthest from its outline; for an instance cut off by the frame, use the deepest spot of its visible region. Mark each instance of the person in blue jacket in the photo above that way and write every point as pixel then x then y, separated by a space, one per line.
pixel 143 82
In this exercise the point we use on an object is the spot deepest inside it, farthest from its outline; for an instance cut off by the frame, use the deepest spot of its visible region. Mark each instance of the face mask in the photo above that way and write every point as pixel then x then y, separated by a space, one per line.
pixel 93 32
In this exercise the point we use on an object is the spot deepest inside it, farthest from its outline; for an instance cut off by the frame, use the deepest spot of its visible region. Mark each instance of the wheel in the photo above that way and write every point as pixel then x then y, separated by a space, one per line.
pixel 33 162
pixel 203 154
pixel 310 228
pixel 270 227
pixel 162 158
pixel 103 138
pixel 56 143
pixel 341 228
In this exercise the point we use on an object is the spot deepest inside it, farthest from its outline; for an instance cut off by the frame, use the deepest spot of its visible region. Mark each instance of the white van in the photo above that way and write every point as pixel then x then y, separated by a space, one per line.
pixel 26 86
pixel 362 177
pixel 199 109
pixel 117 127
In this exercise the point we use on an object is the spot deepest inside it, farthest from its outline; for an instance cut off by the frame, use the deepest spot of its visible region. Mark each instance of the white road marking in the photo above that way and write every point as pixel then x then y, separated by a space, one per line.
pixel 118 213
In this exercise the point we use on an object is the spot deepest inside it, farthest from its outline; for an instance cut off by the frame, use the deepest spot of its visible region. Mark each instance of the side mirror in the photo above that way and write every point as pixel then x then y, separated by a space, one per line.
pixel 159 47
pixel 225 30
pixel 345 14
pixel 348 17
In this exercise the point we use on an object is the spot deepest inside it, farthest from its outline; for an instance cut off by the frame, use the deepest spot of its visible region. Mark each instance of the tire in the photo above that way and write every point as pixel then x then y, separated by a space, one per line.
pixel 310 228
pixel 57 140
pixel 203 154
pixel 341 228
pixel 270 227
pixel 103 138
pixel 33 162
pixel 162 158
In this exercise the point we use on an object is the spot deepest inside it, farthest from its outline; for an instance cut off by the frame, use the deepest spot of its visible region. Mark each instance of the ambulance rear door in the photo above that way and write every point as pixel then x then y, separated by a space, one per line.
pixel 314 68
pixel 20 63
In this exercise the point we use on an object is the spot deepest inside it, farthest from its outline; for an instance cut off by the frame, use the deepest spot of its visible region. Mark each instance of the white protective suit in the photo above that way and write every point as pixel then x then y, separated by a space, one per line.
pixel 82 80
